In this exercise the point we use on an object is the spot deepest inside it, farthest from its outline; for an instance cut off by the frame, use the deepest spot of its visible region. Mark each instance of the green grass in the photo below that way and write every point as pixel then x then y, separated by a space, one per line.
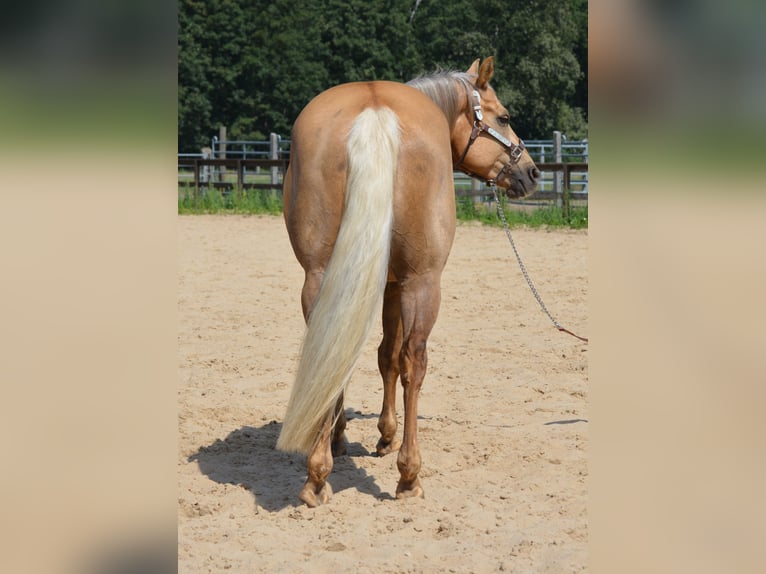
pixel 259 201
pixel 252 201
pixel 546 216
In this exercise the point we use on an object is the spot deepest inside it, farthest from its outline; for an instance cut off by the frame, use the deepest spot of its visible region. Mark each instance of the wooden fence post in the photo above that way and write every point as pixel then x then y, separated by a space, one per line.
pixel 557 175
pixel 567 179
pixel 221 150
pixel 475 187
pixel 240 178
pixel 274 154
pixel 196 178
pixel 207 153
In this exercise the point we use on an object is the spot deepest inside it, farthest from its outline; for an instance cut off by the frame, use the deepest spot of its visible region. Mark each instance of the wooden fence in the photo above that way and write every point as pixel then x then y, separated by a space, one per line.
pixel 239 166
pixel 248 167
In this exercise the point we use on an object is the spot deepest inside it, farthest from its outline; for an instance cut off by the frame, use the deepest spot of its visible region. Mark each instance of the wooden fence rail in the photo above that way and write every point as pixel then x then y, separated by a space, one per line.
pixel 238 165
pixel 241 165
pixel 566 168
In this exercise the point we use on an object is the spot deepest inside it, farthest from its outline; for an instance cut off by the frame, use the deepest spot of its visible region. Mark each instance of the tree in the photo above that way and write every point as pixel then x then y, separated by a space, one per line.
pixel 283 67
pixel 253 64
pixel 368 40
pixel 538 52
pixel 580 99
pixel 450 35
pixel 538 47
pixel 194 107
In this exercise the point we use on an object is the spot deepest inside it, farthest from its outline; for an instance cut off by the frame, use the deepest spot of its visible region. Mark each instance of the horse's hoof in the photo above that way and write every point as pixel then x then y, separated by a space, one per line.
pixel 411 491
pixel 312 498
pixel 384 448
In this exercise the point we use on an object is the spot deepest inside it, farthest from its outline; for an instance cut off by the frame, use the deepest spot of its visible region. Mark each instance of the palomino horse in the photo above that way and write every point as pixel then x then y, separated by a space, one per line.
pixel 369 204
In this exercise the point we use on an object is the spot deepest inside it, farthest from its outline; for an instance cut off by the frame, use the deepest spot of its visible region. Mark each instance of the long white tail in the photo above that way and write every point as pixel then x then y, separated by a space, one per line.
pixel 353 284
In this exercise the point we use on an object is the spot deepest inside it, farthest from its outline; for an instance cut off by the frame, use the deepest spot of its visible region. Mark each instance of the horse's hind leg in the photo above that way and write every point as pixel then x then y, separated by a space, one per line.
pixel 388 363
pixel 338 445
pixel 319 463
pixel 420 305
pixel 311 284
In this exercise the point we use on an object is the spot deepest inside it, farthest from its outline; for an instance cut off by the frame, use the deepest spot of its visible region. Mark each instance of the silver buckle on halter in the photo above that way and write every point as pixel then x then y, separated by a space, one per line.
pixel 477 108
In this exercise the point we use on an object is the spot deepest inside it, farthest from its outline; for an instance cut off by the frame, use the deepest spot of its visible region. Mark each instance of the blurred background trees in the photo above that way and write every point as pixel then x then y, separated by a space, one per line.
pixel 252 65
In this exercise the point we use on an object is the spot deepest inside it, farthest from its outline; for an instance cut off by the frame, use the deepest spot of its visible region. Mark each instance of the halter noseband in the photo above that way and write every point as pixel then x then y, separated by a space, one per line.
pixel 479 127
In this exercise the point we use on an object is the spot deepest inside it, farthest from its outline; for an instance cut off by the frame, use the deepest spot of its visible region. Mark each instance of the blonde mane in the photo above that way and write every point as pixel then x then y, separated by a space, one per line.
pixel 440 87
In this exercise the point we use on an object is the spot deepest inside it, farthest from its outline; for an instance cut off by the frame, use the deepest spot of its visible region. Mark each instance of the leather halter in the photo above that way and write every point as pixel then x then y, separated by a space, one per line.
pixel 479 127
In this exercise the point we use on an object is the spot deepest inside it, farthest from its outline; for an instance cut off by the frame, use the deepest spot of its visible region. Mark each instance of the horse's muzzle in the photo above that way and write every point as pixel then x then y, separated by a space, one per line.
pixel 523 182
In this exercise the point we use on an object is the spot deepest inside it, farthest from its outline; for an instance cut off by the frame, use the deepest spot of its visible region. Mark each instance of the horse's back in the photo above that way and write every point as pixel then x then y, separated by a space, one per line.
pixel 315 184
pixel 320 131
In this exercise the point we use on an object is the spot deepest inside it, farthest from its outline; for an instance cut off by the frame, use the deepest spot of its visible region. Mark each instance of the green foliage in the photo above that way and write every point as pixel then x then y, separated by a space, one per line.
pixel 252 65
pixel 368 40
pixel 250 201
pixel 541 61
pixel 259 201
pixel 546 216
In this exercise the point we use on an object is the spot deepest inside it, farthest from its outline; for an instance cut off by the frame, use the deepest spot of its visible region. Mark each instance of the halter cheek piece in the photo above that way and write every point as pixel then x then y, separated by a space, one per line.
pixel 479 127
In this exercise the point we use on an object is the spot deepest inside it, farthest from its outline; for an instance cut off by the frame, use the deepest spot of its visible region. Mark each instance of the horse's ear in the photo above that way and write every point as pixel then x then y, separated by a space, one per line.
pixel 485 72
pixel 474 69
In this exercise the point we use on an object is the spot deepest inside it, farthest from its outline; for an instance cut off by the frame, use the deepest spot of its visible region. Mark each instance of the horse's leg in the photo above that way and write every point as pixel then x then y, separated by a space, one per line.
pixel 420 305
pixel 311 284
pixel 338 444
pixel 317 490
pixel 388 363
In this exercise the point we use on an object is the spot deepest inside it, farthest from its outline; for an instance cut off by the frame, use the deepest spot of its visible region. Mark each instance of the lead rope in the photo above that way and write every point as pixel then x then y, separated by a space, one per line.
pixel 524 269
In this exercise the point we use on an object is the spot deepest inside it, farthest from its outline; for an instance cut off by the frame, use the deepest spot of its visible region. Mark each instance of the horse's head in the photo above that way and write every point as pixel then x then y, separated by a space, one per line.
pixel 484 142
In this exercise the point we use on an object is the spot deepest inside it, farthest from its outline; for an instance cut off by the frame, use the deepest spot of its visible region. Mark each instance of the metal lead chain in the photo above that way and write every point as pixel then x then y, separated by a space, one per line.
pixel 523 268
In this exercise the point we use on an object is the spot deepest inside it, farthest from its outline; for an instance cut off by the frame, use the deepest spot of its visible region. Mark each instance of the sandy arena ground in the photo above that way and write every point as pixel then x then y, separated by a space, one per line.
pixel 503 415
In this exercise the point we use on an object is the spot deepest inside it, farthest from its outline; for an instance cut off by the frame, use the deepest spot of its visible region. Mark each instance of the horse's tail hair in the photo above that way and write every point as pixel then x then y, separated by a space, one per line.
pixel 353 284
